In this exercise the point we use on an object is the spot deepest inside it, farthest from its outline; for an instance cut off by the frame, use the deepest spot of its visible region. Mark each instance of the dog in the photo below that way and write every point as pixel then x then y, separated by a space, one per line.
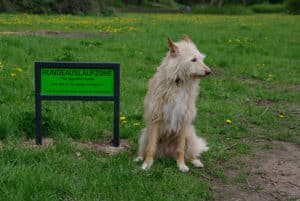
pixel 169 107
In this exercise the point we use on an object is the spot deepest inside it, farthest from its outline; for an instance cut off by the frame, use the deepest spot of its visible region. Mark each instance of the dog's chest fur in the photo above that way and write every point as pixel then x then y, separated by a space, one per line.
pixel 170 104
pixel 179 108
pixel 174 111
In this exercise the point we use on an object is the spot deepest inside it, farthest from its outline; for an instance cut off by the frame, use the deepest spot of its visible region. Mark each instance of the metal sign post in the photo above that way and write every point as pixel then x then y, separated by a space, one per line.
pixel 83 81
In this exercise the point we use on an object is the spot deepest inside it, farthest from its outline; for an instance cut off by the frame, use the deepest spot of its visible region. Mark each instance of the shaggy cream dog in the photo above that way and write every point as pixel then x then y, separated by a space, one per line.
pixel 170 107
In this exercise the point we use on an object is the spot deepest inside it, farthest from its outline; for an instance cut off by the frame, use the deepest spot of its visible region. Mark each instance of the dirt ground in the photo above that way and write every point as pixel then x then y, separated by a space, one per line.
pixel 54 33
pixel 272 174
pixel 102 147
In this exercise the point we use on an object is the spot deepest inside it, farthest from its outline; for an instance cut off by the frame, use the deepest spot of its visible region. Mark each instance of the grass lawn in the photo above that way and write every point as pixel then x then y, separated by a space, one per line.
pixel 255 83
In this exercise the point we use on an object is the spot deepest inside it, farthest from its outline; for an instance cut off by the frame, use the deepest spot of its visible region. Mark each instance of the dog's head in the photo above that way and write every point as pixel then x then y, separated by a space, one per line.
pixel 185 61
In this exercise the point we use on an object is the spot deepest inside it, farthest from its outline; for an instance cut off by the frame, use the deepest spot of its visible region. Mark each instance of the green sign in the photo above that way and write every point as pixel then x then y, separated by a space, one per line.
pixel 77 81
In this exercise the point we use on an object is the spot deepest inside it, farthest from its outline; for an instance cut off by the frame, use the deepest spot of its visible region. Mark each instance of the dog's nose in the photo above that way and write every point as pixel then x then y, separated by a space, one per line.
pixel 207 72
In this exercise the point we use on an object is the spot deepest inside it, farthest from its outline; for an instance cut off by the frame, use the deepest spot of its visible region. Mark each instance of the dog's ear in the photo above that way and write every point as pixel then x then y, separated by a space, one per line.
pixel 173 48
pixel 186 38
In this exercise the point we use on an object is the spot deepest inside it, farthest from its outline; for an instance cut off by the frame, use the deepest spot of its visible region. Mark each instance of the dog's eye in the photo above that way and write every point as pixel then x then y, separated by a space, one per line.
pixel 194 60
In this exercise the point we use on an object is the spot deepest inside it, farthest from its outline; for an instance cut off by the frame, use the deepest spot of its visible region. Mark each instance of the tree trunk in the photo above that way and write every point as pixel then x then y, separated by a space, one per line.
pixel 140 2
pixel 212 2
pixel 220 3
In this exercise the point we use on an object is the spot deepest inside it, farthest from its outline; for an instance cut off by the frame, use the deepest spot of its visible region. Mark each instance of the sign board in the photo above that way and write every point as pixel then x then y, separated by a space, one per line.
pixel 77 81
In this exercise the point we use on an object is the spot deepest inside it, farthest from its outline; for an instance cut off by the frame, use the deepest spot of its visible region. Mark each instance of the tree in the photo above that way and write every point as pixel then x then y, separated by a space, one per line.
pixel 140 2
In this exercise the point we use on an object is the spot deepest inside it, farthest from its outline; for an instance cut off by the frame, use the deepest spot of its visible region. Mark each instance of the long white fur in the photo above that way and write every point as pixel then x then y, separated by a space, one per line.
pixel 173 105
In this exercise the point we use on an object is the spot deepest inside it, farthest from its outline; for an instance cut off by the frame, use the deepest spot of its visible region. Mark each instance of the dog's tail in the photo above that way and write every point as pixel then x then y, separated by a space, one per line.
pixel 195 145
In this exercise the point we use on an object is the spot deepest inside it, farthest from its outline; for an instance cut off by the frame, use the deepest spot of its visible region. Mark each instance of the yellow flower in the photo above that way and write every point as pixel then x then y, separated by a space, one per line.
pixel 20 69
pixel 270 76
pixel 122 118
pixel 136 123
pixel 228 121
pixel 281 116
pixel 13 74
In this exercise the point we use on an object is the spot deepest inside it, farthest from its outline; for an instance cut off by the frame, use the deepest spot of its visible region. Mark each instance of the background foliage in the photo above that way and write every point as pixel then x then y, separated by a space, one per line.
pixel 106 7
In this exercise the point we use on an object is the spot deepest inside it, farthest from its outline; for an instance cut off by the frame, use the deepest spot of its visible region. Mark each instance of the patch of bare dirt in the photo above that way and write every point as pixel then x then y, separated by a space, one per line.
pixel 274 174
pixel 250 80
pixel 54 33
pixel 216 71
pixel 286 87
pixel 265 103
pixel 46 142
pixel 292 87
pixel 104 147
pixel 294 109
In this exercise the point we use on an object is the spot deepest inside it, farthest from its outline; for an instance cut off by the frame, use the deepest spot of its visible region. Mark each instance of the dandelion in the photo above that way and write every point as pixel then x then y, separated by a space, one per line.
pixel 228 121
pixel 13 74
pixel 122 118
pixel 136 123
pixel 20 70
pixel 281 116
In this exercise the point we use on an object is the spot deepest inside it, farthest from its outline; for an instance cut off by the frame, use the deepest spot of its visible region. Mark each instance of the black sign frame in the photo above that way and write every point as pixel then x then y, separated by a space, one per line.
pixel 76 65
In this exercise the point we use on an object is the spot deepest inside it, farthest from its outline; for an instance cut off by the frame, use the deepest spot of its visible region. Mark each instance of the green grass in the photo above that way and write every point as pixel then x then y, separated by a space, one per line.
pixel 255 60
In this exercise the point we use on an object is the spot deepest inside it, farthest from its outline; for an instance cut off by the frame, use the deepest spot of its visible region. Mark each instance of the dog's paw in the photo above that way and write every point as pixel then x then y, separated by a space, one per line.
pixel 197 163
pixel 183 168
pixel 146 166
pixel 138 159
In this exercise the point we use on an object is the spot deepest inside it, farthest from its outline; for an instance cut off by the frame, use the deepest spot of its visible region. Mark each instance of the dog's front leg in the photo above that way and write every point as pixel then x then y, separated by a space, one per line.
pixel 152 134
pixel 180 149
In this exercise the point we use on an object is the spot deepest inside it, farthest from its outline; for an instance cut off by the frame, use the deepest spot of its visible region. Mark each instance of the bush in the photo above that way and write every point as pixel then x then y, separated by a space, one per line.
pixel 268 8
pixel 276 1
pixel 54 6
pixel 8 6
pixel 293 7
pixel 227 10
pixel 252 2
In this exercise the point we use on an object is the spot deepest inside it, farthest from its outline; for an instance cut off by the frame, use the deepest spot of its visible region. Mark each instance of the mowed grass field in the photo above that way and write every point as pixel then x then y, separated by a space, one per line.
pixel 254 86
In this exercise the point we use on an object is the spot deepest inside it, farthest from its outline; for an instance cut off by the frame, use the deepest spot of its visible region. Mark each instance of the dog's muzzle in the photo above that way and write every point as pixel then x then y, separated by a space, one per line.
pixel 207 72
